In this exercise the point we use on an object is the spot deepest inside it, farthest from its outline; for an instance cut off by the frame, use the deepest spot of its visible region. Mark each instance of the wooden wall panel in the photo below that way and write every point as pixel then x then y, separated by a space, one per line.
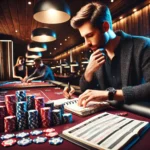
pixel 137 23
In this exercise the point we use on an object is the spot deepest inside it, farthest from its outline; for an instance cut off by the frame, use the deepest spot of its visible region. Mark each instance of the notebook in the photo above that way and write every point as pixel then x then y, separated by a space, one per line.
pixel 107 131
pixel 92 106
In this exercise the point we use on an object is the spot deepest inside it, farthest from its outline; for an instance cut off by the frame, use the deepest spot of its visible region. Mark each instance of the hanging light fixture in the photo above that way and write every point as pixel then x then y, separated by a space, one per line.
pixel 37 47
pixel 43 35
pixel 51 11
pixel 29 60
pixel 33 54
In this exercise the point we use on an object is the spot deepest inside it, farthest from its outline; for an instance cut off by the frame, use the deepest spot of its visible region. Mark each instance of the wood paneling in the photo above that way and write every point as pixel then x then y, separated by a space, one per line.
pixel 18 15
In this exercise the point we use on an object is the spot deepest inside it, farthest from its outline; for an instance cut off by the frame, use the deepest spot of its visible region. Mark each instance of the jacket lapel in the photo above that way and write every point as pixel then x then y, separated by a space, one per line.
pixel 126 55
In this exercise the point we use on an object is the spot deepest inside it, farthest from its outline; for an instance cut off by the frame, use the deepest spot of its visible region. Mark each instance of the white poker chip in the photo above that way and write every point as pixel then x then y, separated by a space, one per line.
pixel 7 136
pixel 36 132
pixel 55 141
pixel 24 141
pixel 40 140
pixel 22 135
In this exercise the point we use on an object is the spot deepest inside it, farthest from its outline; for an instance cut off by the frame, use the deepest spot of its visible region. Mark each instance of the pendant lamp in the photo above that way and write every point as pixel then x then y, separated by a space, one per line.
pixel 51 11
pixel 37 47
pixel 33 54
pixel 43 35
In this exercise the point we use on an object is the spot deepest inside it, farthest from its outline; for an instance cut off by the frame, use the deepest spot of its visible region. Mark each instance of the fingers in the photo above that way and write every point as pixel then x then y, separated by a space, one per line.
pixel 66 94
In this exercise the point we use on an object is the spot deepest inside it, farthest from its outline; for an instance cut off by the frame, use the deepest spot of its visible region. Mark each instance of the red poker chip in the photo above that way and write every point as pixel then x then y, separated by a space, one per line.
pixel 9 142
pixel 53 134
pixel 122 114
pixel 49 130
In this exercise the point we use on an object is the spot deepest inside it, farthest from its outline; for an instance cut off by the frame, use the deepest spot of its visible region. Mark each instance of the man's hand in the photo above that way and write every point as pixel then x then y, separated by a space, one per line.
pixel 29 80
pixel 92 95
pixel 21 79
pixel 97 59
pixel 25 79
pixel 68 94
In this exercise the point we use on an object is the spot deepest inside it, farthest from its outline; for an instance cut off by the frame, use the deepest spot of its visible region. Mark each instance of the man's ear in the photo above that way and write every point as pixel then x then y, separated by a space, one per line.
pixel 105 26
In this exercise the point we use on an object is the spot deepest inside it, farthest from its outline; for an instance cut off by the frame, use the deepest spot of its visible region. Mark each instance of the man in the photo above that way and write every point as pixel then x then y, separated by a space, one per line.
pixel 42 72
pixel 117 74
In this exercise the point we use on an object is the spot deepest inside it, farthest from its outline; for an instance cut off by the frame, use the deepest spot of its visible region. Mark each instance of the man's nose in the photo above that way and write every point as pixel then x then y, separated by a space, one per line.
pixel 87 42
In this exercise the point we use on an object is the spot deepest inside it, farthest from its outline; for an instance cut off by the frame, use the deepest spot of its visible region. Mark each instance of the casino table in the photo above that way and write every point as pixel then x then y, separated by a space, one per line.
pixel 55 93
pixel 8 85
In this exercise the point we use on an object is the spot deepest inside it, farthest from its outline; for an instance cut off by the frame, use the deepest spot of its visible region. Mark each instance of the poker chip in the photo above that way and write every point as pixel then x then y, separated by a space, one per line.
pixel 9 142
pixel 55 141
pixel 36 132
pixel 52 134
pixel 40 140
pixel 7 136
pixel 22 135
pixel 24 141
pixel 122 114
pixel 49 130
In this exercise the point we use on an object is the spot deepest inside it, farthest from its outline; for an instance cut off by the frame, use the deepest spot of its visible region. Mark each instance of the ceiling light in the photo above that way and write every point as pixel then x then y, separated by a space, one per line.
pixel 121 17
pixel 16 30
pixel 33 54
pixel 37 47
pixel 134 10
pixel 43 35
pixel 51 11
pixel 29 3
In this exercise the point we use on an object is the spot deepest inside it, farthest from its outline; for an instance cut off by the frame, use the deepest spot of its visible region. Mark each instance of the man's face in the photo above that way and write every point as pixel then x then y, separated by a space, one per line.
pixel 37 64
pixel 94 38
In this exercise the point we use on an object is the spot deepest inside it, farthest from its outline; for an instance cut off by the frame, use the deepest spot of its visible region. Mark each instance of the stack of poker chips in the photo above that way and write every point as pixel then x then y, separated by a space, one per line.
pixel 30 102
pixel 21 95
pixel 50 104
pixel 39 103
pixel 45 117
pixel 2 115
pixel 10 101
pixel 33 122
pixel 61 107
pixel 21 115
pixel 67 118
pixel 56 117
pixel 10 123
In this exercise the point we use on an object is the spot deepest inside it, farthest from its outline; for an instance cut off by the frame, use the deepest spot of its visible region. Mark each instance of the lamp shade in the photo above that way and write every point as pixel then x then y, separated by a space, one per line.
pixel 37 47
pixel 29 60
pixel 33 55
pixel 51 11
pixel 43 35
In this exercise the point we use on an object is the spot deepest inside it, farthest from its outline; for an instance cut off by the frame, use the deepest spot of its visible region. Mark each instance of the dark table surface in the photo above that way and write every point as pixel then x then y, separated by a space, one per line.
pixel 54 93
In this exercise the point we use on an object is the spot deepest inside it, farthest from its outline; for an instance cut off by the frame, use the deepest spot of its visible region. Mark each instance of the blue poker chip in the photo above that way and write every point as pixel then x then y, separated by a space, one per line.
pixel 36 132
pixel 24 142
pixel 40 140
pixel 55 141
pixel 22 135
pixel 7 136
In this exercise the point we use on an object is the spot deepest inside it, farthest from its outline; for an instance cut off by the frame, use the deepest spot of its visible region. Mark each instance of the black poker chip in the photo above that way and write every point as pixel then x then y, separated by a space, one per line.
pixel 40 140
pixel 24 142
pixel 22 135
pixel 55 141
pixel 36 132
pixel 7 136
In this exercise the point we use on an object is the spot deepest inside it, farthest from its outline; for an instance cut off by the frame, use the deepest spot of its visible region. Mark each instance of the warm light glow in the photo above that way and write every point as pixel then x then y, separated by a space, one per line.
pixel 55 48
pixel 52 11
pixel 68 37
pixel 16 30
pixel 50 53
pixel 60 43
pixel 121 17
pixel 29 3
pixel 134 10
pixel 65 39
pixel 112 0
